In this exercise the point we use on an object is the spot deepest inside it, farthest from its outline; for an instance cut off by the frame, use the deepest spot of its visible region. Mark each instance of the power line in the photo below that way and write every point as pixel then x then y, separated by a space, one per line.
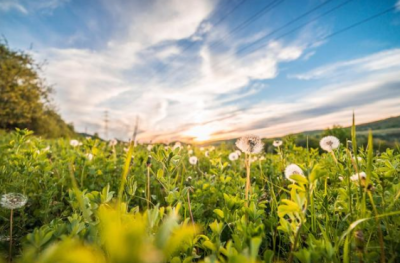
pixel 251 19
pixel 286 25
pixel 246 23
pixel 192 43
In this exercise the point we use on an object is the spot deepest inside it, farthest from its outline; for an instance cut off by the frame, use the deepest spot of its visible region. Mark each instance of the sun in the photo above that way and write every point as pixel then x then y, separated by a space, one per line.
pixel 200 133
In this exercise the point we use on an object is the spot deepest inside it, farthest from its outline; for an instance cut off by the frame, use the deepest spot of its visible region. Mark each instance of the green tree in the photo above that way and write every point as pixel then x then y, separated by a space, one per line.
pixel 25 98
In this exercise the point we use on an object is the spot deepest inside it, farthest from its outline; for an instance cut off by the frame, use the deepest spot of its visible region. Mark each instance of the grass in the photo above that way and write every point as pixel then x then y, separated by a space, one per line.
pixel 127 207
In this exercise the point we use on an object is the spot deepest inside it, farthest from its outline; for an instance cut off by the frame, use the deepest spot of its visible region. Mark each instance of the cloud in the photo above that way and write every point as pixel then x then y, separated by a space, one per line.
pixel 145 71
pixel 375 62
pixel 6 6
pixel 398 5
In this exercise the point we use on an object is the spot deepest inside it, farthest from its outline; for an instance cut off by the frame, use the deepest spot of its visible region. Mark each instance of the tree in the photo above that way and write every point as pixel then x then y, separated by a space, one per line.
pixel 24 96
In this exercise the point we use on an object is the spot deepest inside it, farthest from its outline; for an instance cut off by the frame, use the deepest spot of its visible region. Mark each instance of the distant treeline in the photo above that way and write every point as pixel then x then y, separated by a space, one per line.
pixel 25 97
pixel 386 136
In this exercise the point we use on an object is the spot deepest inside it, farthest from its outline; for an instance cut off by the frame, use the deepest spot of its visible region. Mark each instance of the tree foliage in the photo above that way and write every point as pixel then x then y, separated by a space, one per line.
pixel 25 97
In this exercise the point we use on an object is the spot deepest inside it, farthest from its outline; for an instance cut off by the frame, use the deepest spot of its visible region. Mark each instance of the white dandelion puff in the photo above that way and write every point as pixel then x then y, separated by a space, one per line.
pixel 74 143
pixel 113 142
pixel 355 178
pixel 329 143
pixel 277 143
pixel 149 147
pixel 233 156
pixel 190 152
pixel 293 169
pixel 207 154
pixel 238 152
pixel 89 156
pixel 13 200
pixel 177 145
pixel 193 160
pixel 250 144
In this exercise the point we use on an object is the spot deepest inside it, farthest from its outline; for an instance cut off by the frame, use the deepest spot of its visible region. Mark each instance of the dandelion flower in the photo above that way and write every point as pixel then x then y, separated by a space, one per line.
pixel 329 143
pixel 277 143
pixel 193 160
pixel 190 152
pixel 238 152
pixel 149 147
pixel 74 143
pixel 113 142
pixel 293 169
pixel 233 156
pixel 89 156
pixel 177 145
pixel 362 175
pixel 13 200
pixel 250 144
pixel 207 154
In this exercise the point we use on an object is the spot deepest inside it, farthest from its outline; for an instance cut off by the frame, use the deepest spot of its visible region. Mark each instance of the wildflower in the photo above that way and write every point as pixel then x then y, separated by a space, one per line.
pixel 238 152
pixel 149 147
pixel 190 152
pixel 177 145
pixel 13 200
pixel 113 142
pixel 207 154
pixel 201 148
pixel 89 156
pixel 193 160
pixel 262 158
pixel 233 156
pixel 358 159
pixel 212 148
pixel 250 144
pixel 329 143
pixel 74 143
pixel 293 169
pixel 356 177
pixel 277 143
pixel 341 178
pixel 126 149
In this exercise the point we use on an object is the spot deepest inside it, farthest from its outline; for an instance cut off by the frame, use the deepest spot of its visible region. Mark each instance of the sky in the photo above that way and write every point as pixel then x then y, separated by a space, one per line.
pixel 200 70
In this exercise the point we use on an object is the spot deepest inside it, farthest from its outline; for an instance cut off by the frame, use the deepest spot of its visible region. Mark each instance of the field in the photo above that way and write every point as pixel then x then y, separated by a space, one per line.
pixel 96 201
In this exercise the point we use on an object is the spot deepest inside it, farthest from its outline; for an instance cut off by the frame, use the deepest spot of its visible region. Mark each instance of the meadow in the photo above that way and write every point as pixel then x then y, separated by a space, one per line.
pixel 88 200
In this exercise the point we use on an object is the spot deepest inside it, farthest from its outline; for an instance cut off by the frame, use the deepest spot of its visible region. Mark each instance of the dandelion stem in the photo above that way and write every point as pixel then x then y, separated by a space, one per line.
pixel 148 187
pixel 247 162
pixel 334 157
pixel 190 207
pixel 296 238
pixel 11 236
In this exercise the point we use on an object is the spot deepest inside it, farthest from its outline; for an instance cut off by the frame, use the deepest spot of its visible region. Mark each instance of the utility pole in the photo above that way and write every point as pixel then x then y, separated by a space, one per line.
pixel 106 125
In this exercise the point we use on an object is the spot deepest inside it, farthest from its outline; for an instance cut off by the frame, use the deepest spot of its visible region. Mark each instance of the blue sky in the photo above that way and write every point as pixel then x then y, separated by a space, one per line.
pixel 209 69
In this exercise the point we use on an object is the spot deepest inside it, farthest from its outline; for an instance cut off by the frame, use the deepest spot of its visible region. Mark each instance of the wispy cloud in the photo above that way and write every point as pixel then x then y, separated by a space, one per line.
pixel 379 61
pixel 8 5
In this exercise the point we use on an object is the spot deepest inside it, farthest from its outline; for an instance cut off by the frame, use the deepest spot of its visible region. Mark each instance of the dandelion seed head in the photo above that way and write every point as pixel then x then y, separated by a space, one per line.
pixel 207 154
pixel 190 152
pixel 177 145
pixel 149 147
pixel 233 156
pixel 13 200
pixel 362 175
pixel 250 144
pixel 113 142
pixel 329 143
pixel 238 152
pixel 74 143
pixel 277 143
pixel 89 156
pixel 193 160
pixel 293 169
